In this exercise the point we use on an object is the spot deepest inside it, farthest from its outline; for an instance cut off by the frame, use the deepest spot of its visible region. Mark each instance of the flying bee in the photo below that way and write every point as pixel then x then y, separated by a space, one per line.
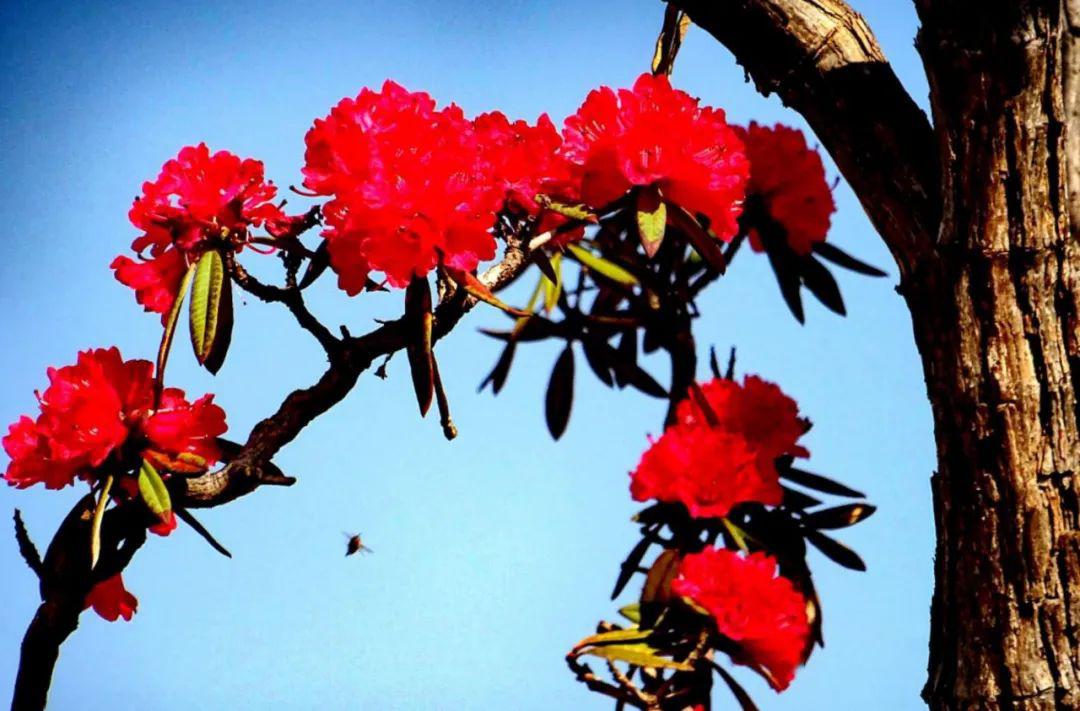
pixel 355 545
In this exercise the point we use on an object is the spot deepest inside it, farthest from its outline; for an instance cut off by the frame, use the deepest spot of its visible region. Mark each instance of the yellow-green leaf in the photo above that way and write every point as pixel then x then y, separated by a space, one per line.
pixel 641 655
pixel 153 492
pixel 651 219
pixel 602 266
pixel 575 211
pixel 552 289
pixel 208 287
pixel 95 523
pixel 169 331
pixel 631 612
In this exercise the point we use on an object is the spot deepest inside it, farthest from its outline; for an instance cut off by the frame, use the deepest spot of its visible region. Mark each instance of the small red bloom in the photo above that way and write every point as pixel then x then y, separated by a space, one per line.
pixel 98 416
pixel 708 470
pixel 656 135
pixel 789 179
pixel 409 186
pixel 757 409
pixel 523 159
pixel 198 197
pixel 761 612
pixel 111 600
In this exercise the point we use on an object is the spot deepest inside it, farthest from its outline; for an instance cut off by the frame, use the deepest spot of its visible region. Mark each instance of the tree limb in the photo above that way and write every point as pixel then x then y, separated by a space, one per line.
pixel 821 59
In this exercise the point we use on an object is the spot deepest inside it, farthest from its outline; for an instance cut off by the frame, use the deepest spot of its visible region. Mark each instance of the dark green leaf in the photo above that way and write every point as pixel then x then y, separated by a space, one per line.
pixel 656 593
pixel 497 376
pixel 740 694
pixel 320 260
pixel 599 359
pixel 630 566
pixel 545 264
pixel 419 319
pixel 842 259
pixel 560 393
pixel 210 310
pixel 197 526
pixel 626 354
pixel 822 285
pixel 795 499
pixel 835 551
pixel 787 276
pixel 703 243
pixel 818 482
pixel 839 516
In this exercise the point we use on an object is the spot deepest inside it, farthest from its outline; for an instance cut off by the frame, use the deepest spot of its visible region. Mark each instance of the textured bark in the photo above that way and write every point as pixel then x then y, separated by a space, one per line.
pixel 990 269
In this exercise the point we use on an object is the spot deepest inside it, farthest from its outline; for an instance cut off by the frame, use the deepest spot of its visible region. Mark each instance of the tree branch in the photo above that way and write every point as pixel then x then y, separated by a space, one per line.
pixel 821 59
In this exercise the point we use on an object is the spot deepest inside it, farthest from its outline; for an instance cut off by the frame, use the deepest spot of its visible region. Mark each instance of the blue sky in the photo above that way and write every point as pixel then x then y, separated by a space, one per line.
pixel 495 553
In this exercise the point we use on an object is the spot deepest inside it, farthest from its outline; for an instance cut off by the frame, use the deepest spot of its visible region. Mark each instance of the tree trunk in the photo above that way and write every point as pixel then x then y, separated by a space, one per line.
pixel 995 310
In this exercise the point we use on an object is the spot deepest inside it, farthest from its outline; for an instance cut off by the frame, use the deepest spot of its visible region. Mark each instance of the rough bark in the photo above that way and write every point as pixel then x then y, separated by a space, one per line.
pixel 991 272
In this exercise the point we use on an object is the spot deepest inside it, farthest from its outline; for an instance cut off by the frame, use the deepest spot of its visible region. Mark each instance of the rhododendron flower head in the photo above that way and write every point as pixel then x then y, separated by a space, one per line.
pixel 761 612
pixel 654 134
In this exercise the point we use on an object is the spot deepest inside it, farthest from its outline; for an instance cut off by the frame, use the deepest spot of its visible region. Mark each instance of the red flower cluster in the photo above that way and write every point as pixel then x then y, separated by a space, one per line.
pixel 712 461
pixel 761 612
pixel 111 600
pixel 198 198
pixel 656 135
pixel 412 184
pixel 98 414
pixel 789 178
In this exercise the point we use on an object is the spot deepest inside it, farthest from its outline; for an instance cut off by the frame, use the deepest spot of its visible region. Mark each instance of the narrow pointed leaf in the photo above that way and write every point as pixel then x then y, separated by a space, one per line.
pixel 185 516
pixel 318 263
pixel 598 360
pixel 794 499
pixel 546 265
pixel 842 259
pixel 703 243
pixel 419 318
pixel 553 287
pixel 575 211
pixel 787 277
pixel 169 331
pixel 839 516
pixel 27 549
pixel 641 655
pixel 626 354
pixel 613 637
pixel 745 702
pixel 209 289
pixel 631 612
pixel 821 284
pixel 560 393
pixel 95 522
pixel 714 365
pixel 153 492
pixel 603 267
pixel 497 376
pixel 656 593
pixel 630 566
pixel 220 347
pixel 835 551
pixel 818 482
pixel 651 219
pixel 478 289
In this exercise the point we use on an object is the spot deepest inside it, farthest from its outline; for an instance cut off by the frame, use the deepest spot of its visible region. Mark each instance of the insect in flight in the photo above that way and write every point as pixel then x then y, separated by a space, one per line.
pixel 355 545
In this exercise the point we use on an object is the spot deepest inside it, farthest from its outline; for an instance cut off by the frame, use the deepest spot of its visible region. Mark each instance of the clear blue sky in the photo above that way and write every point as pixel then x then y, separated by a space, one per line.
pixel 495 553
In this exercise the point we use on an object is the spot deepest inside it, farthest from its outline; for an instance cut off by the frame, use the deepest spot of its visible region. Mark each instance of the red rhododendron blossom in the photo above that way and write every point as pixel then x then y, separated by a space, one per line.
pixel 111 600
pixel 761 612
pixel 199 197
pixel 789 179
pixel 523 158
pixel 656 135
pixel 706 469
pixel 757 409
pixel 409 186
pixel 98 417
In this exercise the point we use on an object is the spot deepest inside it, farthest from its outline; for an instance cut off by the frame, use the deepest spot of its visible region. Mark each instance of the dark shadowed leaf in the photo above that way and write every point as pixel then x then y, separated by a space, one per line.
pixel 27 549
pixel 545 265
pixel 197 526
pixel 529 328
pixel 822 285
pixel 320 260
pixel 714 366
pixel 630 566
pixel 740 694
pixel 835 551
pixel 795 499
pixel 626 354
pixel 656 593
pixel 818 482
pixel 703 243
pixel 839 516
pixel 651 219
pixel 497 376
pixel 787 276
pixel 842 259
pixel 419 319
pixel 560 393
pixel 599 359
pixel 628 372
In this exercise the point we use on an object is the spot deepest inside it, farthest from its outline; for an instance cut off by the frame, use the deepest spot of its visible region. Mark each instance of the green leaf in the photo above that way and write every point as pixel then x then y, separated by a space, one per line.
pixel 95 522
pixel 544 263
pixel 839 516
pixel 153 491
pixel 651 219
pixel 170 330
pixel 738 535
pixel 553 288
pixel 601 266
pixel 560 393
pixel 656 593
pixel 197 526
pixel 419 318
pixel 211 310
pixel 641 655
pixel 631 612
pixel 575 211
